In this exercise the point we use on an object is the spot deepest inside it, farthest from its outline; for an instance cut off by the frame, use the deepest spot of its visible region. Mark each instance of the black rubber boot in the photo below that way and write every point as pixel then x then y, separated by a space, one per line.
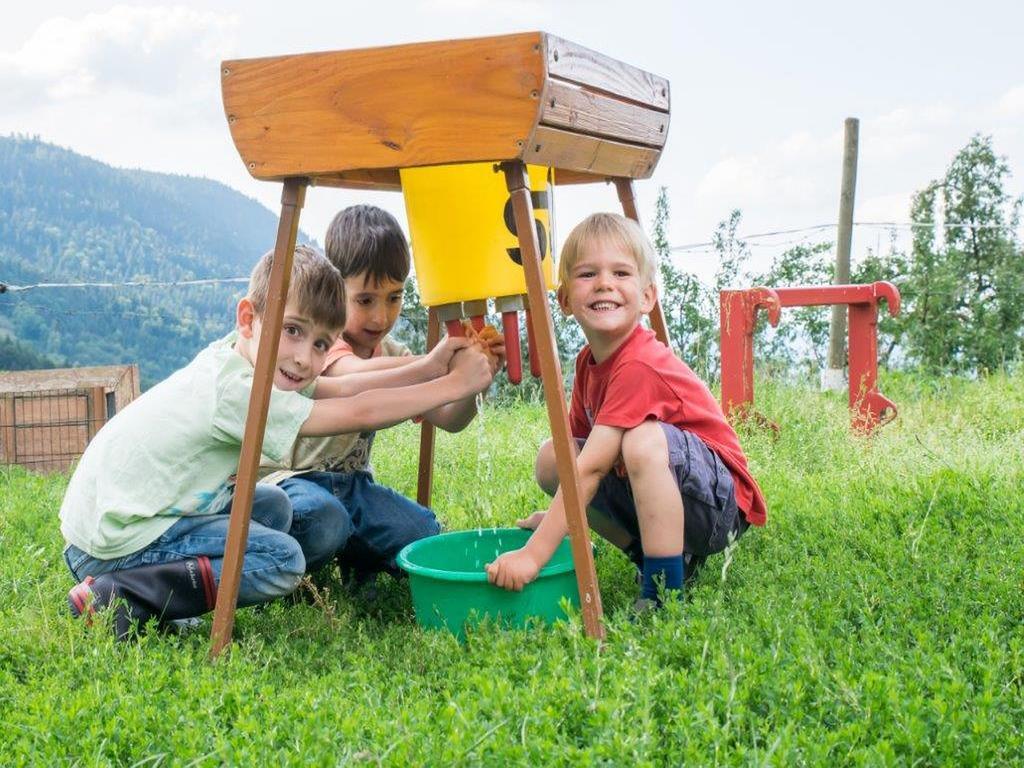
pixel 178 590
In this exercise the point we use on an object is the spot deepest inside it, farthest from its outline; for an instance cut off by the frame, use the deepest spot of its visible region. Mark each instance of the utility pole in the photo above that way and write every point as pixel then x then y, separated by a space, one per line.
pixel 833 376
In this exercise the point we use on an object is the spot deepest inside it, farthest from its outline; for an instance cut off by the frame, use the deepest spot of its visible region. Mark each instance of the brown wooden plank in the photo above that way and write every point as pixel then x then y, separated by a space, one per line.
pixel 560 149
pixel 60 378
pixel 386 179
pixel 391 107
pixel 570 61
pixel 97 410
pixel 554 397
pixel 8 445
pixel 425 480
pixel 292 198
pixel 52 407
pixel 580 110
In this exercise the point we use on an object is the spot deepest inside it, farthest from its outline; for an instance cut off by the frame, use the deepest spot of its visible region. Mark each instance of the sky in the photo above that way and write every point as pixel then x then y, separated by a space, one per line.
pixel 759 94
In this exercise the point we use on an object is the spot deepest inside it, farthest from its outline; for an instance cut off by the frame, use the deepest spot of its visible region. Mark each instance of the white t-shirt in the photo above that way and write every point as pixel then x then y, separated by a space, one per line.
pixel 172 452
pixel 343 453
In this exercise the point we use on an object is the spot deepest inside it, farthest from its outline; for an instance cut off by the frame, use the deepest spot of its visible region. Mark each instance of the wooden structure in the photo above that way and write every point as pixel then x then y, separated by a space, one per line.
pixel 47 417
pixel 355 118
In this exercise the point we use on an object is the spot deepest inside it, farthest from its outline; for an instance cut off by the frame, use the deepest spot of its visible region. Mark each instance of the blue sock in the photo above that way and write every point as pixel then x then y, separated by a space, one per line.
pixel 657 569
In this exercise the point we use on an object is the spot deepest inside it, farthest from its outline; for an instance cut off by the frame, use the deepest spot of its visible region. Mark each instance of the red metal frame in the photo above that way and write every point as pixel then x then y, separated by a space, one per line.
pixel 738 312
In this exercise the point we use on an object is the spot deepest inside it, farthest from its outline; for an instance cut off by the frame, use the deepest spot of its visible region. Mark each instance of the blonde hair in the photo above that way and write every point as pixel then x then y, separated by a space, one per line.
pixel 609 227
pixel 316 287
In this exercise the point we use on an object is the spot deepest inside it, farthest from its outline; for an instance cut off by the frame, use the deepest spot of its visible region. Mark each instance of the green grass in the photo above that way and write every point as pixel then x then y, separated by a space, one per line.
pixel 878 619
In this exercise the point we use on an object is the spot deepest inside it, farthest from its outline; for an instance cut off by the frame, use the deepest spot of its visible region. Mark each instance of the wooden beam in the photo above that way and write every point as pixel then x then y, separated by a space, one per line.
pixel 570 61
pixel 292 199
pixel 554 396
pixel 562 149
pixel 424 482
pixel 578 109
pixel 384 108
pixel 628 199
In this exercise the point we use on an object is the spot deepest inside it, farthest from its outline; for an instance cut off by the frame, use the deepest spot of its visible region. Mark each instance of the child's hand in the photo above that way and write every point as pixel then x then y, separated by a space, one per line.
pixel 496 351
pixel 490 341
pixel 440 357
pixel 472 370
pixel 532 522
pixel 513 570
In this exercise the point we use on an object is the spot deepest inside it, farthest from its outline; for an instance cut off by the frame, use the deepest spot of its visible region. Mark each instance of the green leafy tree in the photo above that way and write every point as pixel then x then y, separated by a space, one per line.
pixel 802 336
pixel 965 296
pixel 689 306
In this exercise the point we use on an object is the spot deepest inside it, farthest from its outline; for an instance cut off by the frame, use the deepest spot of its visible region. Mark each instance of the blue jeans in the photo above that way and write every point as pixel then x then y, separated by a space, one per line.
pixel 348 515
pixel 273 563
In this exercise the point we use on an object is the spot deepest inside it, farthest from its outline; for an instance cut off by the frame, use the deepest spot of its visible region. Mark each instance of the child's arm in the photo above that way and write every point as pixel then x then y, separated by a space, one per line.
pixel 352 363
pixel 454 417
pixel 414 370
pixel 379 408
pixel 516 569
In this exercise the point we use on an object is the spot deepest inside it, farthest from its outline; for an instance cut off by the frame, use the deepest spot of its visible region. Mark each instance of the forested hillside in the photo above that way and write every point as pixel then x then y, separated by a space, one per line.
pixel 68 218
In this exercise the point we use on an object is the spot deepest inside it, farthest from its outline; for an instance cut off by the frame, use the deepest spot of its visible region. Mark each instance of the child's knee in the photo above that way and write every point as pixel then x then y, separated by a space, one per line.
pixel 644 448
pixel 271 507
pixel 546 470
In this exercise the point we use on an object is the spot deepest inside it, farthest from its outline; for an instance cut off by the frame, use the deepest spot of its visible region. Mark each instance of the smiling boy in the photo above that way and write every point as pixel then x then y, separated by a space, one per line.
pixel 660 467
pixel 145 514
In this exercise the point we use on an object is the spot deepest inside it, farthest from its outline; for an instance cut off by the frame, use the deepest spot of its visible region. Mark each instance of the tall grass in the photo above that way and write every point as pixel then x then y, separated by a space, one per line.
pixel 878 619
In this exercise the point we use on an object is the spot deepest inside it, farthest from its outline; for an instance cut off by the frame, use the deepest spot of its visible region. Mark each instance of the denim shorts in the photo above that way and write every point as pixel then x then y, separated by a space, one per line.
pixel 710 516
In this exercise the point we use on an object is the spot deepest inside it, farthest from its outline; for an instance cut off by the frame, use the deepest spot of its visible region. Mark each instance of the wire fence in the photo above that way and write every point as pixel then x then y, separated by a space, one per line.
pixel 47 430
pixel 749 240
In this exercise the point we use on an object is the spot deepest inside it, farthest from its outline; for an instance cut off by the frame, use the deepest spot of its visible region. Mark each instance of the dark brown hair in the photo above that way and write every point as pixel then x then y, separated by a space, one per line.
pixel 364 239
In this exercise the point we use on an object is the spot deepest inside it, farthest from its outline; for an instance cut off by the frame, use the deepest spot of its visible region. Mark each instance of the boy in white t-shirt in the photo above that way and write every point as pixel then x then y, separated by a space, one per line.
pixel 145 514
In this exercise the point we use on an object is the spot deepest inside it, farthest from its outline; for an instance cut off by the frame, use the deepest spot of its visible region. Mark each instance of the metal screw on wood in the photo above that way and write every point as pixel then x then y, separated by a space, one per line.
pixel 226 71
pixel 534 94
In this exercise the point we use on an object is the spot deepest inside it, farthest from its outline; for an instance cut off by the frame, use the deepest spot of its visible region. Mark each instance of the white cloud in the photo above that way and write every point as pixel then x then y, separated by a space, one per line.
pixel 156 50
pixel 1011 104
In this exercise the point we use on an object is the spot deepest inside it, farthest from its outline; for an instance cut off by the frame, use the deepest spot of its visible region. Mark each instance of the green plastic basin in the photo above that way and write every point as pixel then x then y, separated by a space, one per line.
pixel 450 589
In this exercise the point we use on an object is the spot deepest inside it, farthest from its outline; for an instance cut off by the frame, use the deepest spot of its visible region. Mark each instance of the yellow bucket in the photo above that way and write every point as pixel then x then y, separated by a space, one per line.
pixel 464 244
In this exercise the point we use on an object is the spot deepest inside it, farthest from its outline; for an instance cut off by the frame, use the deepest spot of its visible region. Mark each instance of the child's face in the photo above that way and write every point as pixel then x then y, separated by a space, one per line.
pixel 301 351
pixel 371 311
pixel 605 293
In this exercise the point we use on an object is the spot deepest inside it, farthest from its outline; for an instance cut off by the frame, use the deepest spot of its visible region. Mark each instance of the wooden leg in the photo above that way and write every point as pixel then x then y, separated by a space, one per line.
pixel 292 198
pixel 628 200
pixel 427 432
pixel 554 396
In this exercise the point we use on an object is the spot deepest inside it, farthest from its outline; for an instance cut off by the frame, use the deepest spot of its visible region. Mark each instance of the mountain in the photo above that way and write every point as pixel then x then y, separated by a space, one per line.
pixel 68 218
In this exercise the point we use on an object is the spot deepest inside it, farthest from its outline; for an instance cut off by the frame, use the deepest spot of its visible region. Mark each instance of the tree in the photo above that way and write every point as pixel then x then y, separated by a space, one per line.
pixel 965 296
pixel 688 305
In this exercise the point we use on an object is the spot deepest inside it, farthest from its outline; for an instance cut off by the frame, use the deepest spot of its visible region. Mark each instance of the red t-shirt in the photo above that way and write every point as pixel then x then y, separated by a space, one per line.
pixel 643 379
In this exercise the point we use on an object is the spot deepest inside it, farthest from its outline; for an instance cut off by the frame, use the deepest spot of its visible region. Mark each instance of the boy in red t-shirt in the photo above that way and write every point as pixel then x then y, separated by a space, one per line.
pixel 660 468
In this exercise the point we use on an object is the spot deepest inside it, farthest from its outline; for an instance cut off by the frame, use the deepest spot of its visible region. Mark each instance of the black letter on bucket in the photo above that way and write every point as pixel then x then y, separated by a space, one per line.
pixel 540 202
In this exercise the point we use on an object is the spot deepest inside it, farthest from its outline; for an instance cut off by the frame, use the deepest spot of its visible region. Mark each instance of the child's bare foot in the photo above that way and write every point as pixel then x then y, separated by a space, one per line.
pixel 532 522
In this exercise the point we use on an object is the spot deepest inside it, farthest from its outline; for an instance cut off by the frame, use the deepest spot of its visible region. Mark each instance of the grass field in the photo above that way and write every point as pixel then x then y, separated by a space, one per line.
pixel 877 620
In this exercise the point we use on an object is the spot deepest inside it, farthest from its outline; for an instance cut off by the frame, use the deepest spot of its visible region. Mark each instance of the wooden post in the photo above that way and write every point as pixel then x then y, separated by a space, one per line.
pixel 554 396
pixel 628 199
pixel 8 430
pixel 292 198
pixel 96 410
pixel 833 376
pixel 427 432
